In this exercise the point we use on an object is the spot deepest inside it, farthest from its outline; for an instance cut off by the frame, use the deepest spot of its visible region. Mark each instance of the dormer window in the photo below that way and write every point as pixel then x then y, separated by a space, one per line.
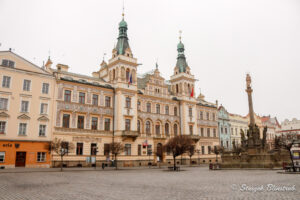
pixel 8 63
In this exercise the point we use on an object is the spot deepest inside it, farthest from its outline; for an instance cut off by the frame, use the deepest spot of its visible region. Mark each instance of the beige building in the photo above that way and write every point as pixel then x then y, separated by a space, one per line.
pixel 141 111
pixel 26 109
pixel 237 123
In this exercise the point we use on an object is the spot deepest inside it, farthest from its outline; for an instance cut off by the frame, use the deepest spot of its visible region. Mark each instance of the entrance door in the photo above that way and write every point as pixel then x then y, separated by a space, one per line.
pixel 159 151
pixel 20 159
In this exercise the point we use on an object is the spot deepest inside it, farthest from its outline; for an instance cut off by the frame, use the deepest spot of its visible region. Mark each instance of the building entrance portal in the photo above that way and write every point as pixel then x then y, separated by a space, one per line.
pixel 20 159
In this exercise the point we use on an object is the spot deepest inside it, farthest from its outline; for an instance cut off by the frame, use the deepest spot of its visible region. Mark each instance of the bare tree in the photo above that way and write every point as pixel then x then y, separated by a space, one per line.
pixel 191 152
pixel 287 144
pixel 116 148
pixel 218 150
pixel 61 148
pixel 178 145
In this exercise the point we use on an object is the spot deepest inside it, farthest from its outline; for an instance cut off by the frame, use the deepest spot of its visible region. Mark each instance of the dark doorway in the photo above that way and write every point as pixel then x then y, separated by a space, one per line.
pixel 20 159
pixel 159 152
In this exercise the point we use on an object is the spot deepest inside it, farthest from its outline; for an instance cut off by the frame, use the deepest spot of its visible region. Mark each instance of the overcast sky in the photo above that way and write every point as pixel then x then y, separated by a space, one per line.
pixel 223 40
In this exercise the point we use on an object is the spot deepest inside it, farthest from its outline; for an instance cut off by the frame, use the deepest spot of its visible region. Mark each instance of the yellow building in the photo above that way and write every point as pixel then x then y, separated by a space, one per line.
pixel 26 109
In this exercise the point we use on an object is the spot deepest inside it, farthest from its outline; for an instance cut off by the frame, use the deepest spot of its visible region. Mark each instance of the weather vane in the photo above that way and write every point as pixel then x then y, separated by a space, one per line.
pixel 180 32
pixel 123 10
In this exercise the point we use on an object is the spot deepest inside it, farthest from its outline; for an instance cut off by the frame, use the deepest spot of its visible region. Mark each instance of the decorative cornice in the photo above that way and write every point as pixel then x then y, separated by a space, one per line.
pixel 24 116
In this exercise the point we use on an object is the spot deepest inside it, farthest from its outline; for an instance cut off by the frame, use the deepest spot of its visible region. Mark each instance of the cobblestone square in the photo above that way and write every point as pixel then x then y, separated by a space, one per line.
pixel 149 184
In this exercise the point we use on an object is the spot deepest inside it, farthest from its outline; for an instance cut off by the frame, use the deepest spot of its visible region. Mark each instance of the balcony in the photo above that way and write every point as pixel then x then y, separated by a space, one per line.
pixel 196 138
pixel 130 134
pixel 159 136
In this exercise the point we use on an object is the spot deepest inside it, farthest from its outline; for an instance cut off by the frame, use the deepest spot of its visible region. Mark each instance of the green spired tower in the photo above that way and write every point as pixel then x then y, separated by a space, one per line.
pixel 122 44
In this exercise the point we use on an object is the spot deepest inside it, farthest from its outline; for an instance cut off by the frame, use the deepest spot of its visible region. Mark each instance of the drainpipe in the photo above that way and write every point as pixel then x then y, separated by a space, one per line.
pixel 113 127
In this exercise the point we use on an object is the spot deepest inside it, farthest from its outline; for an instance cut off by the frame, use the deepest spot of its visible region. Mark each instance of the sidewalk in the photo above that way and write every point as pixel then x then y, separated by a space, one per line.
pixel 79 169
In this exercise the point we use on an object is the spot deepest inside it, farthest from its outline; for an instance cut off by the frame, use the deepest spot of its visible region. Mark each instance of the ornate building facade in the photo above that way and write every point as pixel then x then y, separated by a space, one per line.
pixel 140 111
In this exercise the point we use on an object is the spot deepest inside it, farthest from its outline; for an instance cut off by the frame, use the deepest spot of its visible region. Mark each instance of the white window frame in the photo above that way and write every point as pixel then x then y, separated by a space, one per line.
pixel 8 62
pixel 5 128
pixel 2 153
pixel 29 85
pixel 44 113
pixel 6 104
pixel 85 97
pixel 47 89
pixel 27 106
pixel 10 81
pixel 42 155
pixel 39 127
pixel 25 129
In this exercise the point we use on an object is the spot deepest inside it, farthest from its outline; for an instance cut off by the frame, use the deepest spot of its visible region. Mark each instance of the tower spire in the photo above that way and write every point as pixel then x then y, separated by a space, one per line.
pixel 123 11
pixel 181 61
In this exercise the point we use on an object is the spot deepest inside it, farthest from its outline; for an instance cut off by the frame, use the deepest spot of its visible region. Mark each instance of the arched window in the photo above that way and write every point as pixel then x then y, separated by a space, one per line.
pixel 157 108
pixel 139 105
pixel 175 130
pixel 166 129
pixel 138 126
pixel 175 111
pixel 177 90
pixel 201 115
pixel 167 110
pixel 114 74
pixel 127 74
pixel 148 127
pixel 149 107
pixel 157 129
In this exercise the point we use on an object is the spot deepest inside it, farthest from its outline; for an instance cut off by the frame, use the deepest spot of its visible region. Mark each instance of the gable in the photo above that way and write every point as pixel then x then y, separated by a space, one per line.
pixel 24 116
pixel 20 62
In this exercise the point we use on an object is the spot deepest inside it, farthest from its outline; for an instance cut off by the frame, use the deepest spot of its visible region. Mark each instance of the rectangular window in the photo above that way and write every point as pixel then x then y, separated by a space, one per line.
pixel 80 122
pixel 215 132
pixel 190 112
pixel 175 111
pixel 167 110
pixel 79 149
pixel 22 128
pixel 24 106
pixel 42 131
pixel 191 130
pixel 139 150
pixel 95 100
pixel 106 149
pixel 214 117
pixel 149 107
pixel 127 149
pixel 8 63
pixel 128 102
pixel 207 115
pixel 81 97
pixel 2 127
pixel 208 132
pixel 157 108
pixel 2 156
pixel 45 89
pixel 66 120
pixel 127 124
pixel 94 123
pixel 107 124
pixel 26 85
pixel 203 149
pixel 93 149
pixel 44 108
pixel 3 103
pixel 67 96
pixel 6 82
pixel 202 132
pixel 41 156
pixel 149 150
pixel 225 130
pixel 107 101
pixel 201 115
pixel 209 149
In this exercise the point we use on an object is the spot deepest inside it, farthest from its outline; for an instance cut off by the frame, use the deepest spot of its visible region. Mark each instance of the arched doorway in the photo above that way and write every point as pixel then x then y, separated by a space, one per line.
pixel 159 152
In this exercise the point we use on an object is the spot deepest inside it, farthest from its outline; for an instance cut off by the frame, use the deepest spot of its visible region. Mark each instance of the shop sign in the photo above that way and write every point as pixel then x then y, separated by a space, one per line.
pixel 7 145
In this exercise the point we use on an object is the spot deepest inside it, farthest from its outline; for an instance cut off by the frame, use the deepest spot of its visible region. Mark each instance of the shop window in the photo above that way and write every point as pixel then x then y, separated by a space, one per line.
pixel 79 149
